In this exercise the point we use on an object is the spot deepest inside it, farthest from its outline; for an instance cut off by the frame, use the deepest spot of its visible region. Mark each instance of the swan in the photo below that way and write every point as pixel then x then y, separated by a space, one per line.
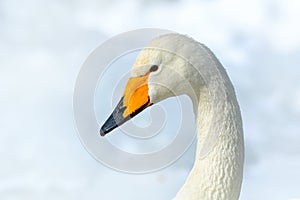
pixel 174 64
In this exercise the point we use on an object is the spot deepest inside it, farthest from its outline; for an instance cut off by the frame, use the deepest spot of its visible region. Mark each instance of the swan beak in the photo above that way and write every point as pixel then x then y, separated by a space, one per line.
pixel 135 99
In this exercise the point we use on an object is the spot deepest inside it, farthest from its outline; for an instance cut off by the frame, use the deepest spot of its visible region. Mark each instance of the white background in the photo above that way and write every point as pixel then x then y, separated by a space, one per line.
pixel 44 43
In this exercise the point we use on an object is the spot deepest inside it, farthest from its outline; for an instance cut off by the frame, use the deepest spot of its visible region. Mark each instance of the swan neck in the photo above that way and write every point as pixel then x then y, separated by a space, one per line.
pixel 218 169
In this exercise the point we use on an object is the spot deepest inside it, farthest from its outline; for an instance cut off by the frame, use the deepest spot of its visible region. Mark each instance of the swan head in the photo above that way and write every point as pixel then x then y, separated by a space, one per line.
pixel 159 72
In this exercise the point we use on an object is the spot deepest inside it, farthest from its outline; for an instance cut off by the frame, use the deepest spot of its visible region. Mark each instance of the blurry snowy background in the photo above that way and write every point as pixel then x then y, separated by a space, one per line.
pixel 44 43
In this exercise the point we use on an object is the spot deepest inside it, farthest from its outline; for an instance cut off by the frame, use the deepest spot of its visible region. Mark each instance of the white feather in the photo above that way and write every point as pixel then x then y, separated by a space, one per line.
pixel 188 67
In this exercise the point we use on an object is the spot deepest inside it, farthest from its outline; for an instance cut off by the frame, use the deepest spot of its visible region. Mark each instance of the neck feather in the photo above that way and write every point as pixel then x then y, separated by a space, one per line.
pixel 218 168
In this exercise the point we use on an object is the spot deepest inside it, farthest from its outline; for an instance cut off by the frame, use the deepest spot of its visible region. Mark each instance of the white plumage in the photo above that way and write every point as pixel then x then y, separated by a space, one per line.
pixel 188 67
pixel 173 65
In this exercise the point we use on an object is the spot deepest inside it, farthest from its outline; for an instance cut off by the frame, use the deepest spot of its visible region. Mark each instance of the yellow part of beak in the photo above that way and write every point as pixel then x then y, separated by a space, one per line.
pixel 136 95
pixel 135 99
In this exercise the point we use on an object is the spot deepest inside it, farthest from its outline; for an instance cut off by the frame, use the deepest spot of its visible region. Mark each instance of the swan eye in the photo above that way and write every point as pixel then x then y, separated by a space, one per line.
pixel 153 68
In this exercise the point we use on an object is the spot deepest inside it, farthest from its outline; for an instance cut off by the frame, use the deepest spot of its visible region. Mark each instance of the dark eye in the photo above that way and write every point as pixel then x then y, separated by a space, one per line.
pixel 153 68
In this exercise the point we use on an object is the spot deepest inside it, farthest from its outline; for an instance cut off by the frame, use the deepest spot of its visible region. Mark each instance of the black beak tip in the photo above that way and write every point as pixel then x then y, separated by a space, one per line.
pixel 102 132
pixel 117 119
pixel 108 126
